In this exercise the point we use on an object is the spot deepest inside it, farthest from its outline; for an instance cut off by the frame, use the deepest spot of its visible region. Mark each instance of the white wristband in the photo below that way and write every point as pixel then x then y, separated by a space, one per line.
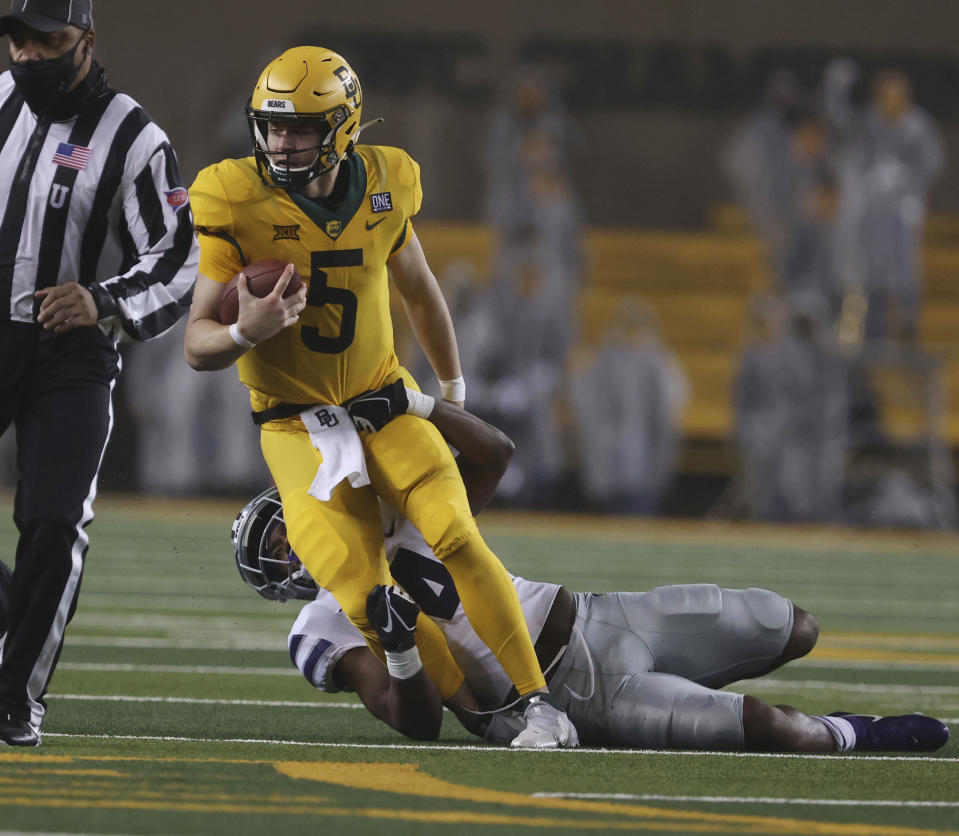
pixel 453 390
pixel 238 338
pixel 403 664
pixel 419 404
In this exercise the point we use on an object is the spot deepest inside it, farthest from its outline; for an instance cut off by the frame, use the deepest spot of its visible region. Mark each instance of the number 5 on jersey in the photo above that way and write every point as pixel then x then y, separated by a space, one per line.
pixel 320 293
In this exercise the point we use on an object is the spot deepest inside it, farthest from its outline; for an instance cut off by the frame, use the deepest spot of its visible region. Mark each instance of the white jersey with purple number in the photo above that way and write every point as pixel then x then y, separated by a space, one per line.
pixel 322 634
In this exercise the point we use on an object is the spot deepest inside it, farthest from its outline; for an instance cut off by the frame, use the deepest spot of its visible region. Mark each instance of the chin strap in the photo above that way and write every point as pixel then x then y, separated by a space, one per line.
pixel 365 125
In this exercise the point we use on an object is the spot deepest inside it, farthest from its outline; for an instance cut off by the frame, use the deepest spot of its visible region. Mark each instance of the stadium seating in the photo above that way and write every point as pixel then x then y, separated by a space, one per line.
pixel 700 283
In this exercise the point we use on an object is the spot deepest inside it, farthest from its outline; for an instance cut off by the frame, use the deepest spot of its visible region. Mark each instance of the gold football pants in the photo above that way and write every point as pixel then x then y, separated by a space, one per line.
pixel 341 541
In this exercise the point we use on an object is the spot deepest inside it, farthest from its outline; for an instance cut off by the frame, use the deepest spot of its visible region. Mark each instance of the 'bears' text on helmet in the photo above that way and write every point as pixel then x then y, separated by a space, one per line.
pixel 263 554
pixel 305 83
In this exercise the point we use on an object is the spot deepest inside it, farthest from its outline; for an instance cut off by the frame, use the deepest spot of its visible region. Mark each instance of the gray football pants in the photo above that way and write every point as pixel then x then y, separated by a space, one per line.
pixel 641 667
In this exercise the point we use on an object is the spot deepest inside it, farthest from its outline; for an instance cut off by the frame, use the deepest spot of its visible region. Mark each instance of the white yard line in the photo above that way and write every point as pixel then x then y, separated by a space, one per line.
pixel 252 641
pixel 723 799
pixel 51 833
pixel 201 669
pixel 203 701
pixel 265 703
pixel 230 638
pixel 242 641
pixel 878 664
pixel 766 684
pixel 189 621
pixel 749 685
pixel 431 747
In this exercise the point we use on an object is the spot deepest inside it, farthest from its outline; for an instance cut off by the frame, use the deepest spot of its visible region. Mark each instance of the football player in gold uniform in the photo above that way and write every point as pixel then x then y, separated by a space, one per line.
pixel 340 213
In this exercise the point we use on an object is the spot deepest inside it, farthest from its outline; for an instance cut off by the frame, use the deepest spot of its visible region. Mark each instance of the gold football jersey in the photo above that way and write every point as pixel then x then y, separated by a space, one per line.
pixel 343 342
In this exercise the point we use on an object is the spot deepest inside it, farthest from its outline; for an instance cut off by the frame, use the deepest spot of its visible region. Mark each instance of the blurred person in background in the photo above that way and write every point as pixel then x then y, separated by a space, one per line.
pixel 889 151
pixel 528 387
pixel 813 457
pixel 474 312
pixel 503 359
pixel 531 202
pixel 791 408
pixel 755 161
pixel 810 276
pixel 195 429
pixel 758 406
pixel 627 396
pixel 537 275
pixel 779 169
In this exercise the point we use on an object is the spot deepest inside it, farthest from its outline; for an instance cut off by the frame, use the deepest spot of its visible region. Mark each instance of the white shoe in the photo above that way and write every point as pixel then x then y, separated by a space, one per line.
pixel 546 728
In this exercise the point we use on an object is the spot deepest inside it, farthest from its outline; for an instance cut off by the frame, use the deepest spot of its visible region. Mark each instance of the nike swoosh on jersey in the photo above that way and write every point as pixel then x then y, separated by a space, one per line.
pixel 370 226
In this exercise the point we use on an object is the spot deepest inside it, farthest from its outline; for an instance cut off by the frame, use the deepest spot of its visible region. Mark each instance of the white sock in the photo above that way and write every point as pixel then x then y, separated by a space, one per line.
pixel 841 730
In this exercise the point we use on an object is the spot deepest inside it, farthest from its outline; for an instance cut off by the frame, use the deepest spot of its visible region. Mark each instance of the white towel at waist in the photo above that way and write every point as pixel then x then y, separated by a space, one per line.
pixel 333 434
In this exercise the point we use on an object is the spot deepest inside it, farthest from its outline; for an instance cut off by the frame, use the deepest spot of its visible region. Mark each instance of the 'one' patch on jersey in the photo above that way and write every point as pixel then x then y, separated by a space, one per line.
pixel 382 202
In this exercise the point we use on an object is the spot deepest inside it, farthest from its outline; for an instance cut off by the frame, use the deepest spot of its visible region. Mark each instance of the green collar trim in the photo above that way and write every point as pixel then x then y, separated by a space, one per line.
pixel 348 207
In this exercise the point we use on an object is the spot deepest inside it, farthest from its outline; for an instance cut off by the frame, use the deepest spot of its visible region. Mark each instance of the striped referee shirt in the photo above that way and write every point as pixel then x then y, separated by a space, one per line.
pixel 96 199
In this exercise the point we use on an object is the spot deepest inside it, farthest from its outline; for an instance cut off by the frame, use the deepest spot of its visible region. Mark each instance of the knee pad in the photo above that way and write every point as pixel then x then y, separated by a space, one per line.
pixel 412 468
pixel 681 608
pixel 769 609
pixel 768 615
pixel 445 528
pixel 708 722
pixel 662 711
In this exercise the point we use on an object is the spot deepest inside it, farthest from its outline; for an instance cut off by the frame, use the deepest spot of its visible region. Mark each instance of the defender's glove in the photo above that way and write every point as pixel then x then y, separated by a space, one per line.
pixel 393 617
pixel 374 409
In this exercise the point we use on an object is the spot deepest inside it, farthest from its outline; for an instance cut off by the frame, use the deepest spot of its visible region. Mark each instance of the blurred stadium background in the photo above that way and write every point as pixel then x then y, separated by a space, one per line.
pixel 580 170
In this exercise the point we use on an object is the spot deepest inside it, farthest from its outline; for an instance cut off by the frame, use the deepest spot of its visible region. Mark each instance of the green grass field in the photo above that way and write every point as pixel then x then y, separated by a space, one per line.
pixel 175 708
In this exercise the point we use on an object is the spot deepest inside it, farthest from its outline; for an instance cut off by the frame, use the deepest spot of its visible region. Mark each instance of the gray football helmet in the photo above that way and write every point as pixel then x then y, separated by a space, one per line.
pixel 263 554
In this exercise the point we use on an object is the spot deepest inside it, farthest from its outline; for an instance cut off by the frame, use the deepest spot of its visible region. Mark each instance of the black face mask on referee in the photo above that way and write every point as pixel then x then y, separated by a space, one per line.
pixel 44 83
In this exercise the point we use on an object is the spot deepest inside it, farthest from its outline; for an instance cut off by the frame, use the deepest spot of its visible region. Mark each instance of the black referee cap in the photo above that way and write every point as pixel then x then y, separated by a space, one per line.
pixel 49 15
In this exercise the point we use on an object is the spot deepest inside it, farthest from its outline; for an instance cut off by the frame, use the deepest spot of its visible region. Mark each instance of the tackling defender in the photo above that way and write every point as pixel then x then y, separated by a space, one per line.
pixel 340 213
pixel 631 669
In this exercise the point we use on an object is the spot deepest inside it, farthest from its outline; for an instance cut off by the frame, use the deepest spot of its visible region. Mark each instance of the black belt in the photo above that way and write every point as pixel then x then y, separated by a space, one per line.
pixel 278 412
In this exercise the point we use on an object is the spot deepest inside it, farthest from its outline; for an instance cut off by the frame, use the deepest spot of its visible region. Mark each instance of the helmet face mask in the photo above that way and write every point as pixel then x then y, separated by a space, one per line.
pixel 284 169
pixel 304 85
pixel 263 554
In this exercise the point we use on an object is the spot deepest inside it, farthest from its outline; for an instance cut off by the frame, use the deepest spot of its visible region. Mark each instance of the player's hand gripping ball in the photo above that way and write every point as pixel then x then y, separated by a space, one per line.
pixel 261 278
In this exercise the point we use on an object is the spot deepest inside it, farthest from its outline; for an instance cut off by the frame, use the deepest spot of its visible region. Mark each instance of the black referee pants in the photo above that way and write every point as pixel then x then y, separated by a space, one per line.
pixel 56 391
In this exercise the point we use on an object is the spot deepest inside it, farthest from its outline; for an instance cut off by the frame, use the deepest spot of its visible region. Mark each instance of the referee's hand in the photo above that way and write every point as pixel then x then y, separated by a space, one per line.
pixel 65 307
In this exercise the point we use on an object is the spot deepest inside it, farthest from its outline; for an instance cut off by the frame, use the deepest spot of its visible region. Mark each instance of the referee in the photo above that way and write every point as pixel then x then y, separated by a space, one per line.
pixel 96 246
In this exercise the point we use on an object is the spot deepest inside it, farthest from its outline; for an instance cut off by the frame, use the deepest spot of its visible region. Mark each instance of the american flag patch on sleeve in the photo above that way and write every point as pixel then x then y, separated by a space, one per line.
pixel 72 156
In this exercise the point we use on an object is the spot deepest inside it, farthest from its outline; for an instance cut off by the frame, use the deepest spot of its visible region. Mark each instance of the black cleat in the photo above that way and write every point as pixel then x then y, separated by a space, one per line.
pixel 17 732
pixel 901 733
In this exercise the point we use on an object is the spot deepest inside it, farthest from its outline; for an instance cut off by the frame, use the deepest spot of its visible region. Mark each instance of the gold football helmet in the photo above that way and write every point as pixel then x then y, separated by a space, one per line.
pixel 309 83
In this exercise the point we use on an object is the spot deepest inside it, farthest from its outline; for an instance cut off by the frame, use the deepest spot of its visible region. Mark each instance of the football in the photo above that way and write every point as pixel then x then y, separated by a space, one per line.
pixel 261 278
